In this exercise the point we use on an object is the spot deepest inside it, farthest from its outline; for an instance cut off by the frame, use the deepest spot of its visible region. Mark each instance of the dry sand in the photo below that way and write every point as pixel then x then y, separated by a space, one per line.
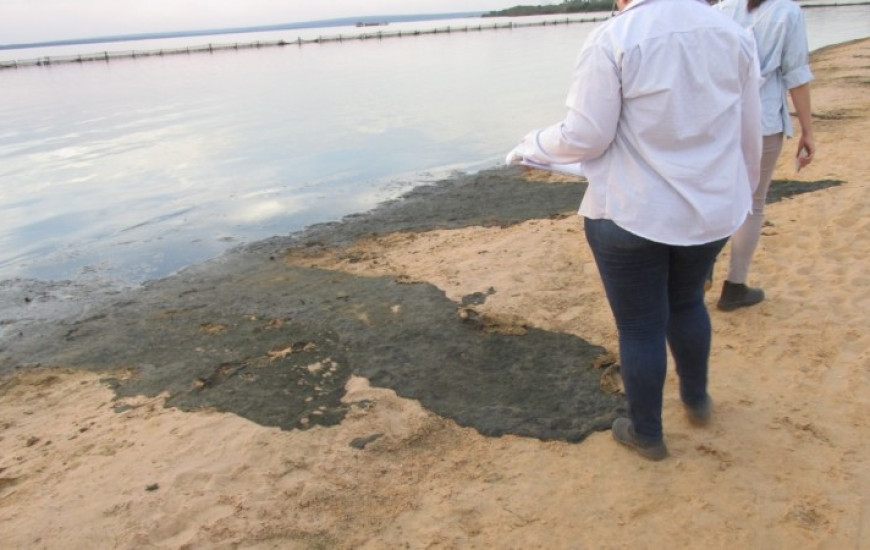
pixel 785 464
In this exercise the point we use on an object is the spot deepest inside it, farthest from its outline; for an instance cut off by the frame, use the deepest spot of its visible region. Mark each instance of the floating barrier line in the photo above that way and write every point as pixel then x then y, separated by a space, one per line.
pixel 107 56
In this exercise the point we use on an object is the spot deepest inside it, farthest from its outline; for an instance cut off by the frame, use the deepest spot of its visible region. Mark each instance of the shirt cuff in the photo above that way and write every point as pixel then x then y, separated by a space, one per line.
pixel 797 77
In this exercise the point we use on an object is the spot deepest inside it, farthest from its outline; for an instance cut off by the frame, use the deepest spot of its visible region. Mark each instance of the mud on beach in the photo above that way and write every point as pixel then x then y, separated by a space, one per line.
pixel 260 334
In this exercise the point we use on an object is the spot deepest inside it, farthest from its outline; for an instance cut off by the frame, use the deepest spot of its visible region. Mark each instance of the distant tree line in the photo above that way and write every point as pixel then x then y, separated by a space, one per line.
pixel 569 6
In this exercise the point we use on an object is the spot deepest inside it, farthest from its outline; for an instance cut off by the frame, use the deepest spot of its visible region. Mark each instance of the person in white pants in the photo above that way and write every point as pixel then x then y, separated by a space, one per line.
pixel 781 39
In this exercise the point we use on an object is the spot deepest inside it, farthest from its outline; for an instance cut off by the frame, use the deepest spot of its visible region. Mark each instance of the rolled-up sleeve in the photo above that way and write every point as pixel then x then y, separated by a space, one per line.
pixel 795 54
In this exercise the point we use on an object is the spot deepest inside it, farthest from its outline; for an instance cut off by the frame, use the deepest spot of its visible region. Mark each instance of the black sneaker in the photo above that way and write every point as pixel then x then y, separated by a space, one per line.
pixel 623 433
pixel 737 295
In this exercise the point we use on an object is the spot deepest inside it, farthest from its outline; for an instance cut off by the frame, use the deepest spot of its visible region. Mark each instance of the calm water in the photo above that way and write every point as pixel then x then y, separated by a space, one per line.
pixel 131 170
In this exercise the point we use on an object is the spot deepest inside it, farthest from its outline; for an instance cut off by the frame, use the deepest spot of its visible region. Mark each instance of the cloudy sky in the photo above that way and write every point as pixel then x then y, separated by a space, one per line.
pixel 24 21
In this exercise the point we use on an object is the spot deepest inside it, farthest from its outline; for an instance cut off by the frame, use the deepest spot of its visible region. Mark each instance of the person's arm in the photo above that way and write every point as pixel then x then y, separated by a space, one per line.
pixel 796 77
pixel 594 103
pixel 806 148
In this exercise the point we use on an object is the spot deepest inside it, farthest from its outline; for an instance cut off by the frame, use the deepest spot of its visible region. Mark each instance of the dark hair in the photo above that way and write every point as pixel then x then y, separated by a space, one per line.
pixel 752 4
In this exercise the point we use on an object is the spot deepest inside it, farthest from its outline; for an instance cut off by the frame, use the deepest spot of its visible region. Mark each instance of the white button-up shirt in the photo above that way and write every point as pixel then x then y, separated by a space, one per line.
pixel 781 38
pixel 664 114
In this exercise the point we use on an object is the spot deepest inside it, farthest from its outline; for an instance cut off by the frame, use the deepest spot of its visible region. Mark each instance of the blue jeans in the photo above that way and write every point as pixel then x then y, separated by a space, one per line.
pixel 656 293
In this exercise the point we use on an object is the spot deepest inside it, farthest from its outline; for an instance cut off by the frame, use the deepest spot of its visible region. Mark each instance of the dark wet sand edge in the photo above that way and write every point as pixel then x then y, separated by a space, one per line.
pixel 247 334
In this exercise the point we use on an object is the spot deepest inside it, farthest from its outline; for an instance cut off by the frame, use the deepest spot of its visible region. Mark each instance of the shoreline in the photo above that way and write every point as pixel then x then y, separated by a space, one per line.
pixel 410 377
pixel 106 56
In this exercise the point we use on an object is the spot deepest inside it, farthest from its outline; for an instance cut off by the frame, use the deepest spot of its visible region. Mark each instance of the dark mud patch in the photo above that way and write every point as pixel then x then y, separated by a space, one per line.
pixel 276 344
pixel 785 189
pixel 836 114
pixel 499 197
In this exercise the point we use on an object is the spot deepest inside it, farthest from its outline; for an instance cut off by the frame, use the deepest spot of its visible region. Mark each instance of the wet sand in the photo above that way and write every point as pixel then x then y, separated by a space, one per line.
pixel 439 373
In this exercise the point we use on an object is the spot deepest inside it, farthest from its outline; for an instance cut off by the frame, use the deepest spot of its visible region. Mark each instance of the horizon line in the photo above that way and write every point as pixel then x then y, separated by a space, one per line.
pixel 332 22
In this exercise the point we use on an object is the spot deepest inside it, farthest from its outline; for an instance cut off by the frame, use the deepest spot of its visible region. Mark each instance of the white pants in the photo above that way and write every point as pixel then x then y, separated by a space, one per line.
pixel 745 239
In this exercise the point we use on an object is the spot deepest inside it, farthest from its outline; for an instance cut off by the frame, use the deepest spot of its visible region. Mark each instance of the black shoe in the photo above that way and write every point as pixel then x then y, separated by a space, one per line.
pixel 737 295
pixel 700 415
pixel 623 433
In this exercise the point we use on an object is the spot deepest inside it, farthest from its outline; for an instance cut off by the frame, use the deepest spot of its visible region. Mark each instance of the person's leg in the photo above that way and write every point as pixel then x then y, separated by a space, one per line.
pixel 745 239
pixel 689 329
pixel 635 273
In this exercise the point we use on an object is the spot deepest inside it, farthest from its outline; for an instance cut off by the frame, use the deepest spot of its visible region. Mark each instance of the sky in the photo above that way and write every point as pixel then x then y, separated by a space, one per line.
pixel 28 21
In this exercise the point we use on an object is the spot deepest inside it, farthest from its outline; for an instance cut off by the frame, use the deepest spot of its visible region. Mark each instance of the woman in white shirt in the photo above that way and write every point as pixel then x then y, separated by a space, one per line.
pixel 780 36
pixel 664 114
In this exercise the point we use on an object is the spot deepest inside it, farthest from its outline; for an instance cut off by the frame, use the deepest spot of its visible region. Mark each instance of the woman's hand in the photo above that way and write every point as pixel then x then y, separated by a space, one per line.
pixel 806 151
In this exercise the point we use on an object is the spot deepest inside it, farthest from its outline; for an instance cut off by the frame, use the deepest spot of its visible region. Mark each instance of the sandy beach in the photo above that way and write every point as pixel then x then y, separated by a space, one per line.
pixel 91 457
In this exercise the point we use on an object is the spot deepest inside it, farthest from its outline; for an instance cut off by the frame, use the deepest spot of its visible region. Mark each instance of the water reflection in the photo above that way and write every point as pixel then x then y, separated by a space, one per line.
pixel 134 169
